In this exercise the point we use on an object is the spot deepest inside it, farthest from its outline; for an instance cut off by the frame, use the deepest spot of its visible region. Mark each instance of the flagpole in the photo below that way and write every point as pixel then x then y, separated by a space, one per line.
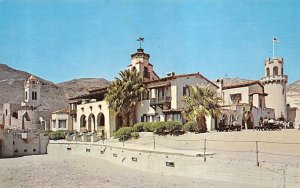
pixel 273 47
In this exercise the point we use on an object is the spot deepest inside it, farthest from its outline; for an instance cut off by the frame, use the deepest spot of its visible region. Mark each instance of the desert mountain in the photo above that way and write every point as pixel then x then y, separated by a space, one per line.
pixel 80 86
pixel 230 81
pixel 54 96
pixel 293 94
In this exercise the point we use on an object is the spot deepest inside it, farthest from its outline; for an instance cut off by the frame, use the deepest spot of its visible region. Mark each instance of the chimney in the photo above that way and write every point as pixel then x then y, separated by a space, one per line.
pixel 170 74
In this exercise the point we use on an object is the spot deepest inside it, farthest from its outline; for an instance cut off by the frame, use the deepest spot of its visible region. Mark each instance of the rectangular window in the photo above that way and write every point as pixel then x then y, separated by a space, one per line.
pixel 236 98
pixel 147 118
pixel 34 95
pixel 26 97
pixel 62 123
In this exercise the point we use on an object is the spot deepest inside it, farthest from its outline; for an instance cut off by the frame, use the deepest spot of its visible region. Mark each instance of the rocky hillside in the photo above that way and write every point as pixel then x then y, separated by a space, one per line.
pixel 80 86
pixel 54 96
pixel 293 94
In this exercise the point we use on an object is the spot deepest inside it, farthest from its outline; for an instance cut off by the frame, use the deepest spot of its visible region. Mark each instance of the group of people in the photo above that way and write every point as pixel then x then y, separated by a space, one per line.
pixel 281 123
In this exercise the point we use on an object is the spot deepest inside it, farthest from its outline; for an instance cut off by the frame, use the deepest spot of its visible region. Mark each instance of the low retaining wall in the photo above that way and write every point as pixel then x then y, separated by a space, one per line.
pixel 185 165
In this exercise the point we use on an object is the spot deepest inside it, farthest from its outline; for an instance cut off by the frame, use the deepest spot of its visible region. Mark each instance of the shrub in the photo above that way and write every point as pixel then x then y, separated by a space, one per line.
pixel 139 127
pixel 135 135
pixel 149 126
pixel 56 135
pixel 190 126
pixel 173 126
pixel 159 128
pixel 124 133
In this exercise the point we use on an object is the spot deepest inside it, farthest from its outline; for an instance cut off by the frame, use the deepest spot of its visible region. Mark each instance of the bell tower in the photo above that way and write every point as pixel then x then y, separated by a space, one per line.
pixel 140 62
pixel 274 83
pixel 32 88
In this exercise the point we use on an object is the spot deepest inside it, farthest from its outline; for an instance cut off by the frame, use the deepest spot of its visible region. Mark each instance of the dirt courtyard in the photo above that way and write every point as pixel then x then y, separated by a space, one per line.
pixel 60 171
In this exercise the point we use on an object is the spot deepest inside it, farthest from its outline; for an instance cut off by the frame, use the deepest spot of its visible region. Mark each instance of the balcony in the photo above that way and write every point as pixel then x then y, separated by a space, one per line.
pixel 161 102
pixel 72 112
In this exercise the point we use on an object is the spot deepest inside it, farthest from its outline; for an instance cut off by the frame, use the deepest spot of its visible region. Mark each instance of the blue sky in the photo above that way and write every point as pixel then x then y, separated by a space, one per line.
pixel 63 39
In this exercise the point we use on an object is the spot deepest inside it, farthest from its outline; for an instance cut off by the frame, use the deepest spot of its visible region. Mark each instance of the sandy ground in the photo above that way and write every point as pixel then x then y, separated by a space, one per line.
pixel 60 171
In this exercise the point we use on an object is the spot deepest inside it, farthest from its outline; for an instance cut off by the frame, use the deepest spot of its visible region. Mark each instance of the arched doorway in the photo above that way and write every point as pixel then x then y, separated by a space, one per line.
pixel 100 121
pixel 91 123
pixel 250 122
pixel 82 122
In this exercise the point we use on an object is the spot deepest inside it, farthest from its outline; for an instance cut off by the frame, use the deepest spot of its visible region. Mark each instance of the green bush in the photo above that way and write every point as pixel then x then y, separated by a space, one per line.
pixel 190 126
pixel 139 127
pixel 173 126
pixel 58 135
pixel 159 128
pixel 135 135
pixel 124 133
pixel 149 126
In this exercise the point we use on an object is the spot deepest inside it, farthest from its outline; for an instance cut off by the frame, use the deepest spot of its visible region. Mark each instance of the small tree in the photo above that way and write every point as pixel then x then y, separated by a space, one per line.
pixel 200 103
pixel 123 94
pixel 247 115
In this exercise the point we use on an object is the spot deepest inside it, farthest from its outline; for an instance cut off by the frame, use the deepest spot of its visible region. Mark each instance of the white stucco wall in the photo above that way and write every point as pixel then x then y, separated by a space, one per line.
pixel 95 108
pixel 60 116
pixel 276 98
pixel 17 143
pixel 244 91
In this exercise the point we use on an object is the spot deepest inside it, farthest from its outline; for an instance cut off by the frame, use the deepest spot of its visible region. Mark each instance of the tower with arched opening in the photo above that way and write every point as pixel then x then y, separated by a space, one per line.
pixel 274 83
pixel 32 88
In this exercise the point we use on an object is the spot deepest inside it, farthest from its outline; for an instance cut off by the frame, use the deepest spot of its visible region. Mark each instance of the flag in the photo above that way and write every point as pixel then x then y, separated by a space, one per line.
pixel 276 40
pixel 140 39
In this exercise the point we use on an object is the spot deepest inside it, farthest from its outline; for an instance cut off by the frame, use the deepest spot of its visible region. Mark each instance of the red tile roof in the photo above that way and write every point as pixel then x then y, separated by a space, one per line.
pixel 62 111
pixel 181 76
pixel 243 84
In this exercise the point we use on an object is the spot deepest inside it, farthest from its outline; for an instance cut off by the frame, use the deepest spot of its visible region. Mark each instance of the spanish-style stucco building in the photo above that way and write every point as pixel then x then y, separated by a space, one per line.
pixel 163 101
pixel 29 114
pixel 242 96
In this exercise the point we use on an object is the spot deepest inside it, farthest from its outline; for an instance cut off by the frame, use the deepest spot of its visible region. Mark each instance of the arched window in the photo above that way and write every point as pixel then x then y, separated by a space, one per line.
pixel 91 122
pixel 275 70
pixel 15 115
pixel 268 71
pixel 82 121
pixel 281 70
pixel 100 120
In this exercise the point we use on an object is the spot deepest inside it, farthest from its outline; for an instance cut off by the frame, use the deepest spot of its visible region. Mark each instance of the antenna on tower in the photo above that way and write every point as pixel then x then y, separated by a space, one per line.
pixel 140 39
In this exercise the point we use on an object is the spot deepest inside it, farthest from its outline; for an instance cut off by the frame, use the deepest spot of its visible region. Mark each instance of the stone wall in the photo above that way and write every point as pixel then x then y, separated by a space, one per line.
pixel 184 165
pixel 19 143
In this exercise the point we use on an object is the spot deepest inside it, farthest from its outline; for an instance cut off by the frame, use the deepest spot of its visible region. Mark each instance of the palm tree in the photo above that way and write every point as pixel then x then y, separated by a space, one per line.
pixel 200 103
pixel 247 115
pixel 123 94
